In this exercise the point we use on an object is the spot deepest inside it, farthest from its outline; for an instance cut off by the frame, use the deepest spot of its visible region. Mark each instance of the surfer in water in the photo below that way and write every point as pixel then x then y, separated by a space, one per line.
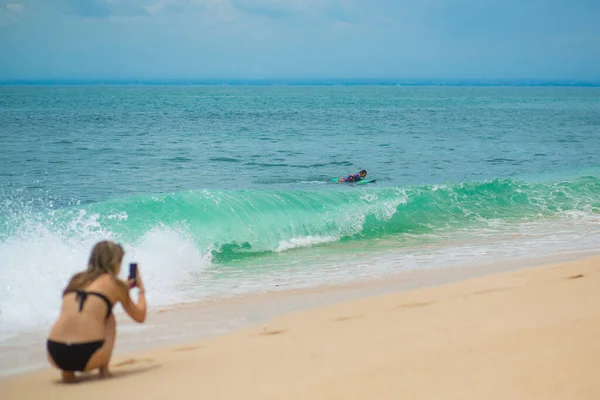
pixel 354 177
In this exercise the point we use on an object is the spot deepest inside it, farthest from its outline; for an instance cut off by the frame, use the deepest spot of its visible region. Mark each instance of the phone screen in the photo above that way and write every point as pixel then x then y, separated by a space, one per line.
pixel 133 271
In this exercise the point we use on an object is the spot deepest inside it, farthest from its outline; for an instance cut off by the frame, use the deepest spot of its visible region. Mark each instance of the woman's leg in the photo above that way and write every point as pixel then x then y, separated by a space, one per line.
pixel 68 377
pixel 101 357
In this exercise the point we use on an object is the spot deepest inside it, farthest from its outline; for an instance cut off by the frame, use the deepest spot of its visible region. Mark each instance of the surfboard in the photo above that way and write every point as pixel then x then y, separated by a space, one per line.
pixel 361 182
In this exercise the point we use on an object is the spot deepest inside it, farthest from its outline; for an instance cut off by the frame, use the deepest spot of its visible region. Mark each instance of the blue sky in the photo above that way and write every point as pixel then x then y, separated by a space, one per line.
pixel 270 39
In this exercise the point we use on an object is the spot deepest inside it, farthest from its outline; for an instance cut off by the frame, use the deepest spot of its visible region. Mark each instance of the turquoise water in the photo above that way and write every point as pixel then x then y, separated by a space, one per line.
pixel 217 190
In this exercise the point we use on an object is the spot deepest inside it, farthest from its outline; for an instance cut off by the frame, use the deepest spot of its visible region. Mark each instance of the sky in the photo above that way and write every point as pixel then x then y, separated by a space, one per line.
pixel 291 39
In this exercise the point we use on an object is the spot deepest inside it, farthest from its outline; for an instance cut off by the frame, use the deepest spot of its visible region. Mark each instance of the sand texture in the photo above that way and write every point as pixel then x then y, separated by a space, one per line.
pixel 527 334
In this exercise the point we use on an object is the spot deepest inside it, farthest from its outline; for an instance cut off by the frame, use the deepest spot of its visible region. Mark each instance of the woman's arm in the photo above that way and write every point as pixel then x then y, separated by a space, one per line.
pixel 136 311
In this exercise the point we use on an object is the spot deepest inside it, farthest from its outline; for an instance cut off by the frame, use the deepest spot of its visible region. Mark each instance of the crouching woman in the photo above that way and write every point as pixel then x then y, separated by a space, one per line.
pixel 83 337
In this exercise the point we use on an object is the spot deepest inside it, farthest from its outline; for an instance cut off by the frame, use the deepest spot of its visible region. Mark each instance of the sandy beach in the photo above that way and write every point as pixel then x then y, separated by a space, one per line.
pixel 525 334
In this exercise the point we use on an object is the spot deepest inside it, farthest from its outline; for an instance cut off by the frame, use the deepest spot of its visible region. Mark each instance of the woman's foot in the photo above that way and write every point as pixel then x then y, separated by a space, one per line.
pixel 69 377
pixel 103 372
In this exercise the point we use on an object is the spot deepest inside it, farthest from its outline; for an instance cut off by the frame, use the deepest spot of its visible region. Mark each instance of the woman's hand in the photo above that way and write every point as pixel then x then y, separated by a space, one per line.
pixel 137 311
pixel 138 281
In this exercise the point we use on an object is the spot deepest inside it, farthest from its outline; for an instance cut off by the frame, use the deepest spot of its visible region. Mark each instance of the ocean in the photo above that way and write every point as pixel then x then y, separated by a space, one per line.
pixel 226 190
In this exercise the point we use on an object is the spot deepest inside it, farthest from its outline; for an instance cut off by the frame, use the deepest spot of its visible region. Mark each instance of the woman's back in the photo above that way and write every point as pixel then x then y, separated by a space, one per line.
pixel 84 312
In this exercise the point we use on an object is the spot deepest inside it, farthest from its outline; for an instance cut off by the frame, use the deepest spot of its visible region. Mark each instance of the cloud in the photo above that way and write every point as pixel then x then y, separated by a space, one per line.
pixel 91 8
pixel 269 8
pixel 10 13
pixel 298 38
pixel 343 26
pixel 17 8
pixel 218 9
pixel 106 8
pixel 287 8
pixel 158 6
pixel 215 10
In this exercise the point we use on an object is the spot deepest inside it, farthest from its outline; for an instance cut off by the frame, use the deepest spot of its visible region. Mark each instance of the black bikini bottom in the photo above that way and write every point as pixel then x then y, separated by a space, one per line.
pixel 72 356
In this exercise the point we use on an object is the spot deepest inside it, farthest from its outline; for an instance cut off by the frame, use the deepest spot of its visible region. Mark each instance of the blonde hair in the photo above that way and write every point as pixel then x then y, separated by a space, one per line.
pixel 106 258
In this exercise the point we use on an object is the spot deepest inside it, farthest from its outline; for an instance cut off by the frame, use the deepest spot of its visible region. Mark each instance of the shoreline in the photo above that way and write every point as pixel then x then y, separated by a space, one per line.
pixel 488 285
pixel 213 317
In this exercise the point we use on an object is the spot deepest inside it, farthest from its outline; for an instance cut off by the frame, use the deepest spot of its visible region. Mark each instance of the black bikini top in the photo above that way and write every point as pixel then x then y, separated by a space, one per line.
pixel 83 295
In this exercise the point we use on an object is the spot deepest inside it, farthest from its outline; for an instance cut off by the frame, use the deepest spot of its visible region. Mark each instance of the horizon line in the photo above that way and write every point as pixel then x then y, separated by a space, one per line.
pixel 301 82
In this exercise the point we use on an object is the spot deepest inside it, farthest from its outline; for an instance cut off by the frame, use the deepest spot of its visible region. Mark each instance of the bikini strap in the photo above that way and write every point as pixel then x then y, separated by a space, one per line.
pixel 103 297
pixel 83 295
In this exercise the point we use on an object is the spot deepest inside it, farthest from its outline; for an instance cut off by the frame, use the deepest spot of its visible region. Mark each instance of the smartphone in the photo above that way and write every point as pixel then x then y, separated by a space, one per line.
pixel 133 273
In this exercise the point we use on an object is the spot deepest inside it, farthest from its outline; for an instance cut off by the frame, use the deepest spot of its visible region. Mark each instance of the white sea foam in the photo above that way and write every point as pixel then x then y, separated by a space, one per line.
pixel 37 264
pixel 306 241
pixel 37 258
